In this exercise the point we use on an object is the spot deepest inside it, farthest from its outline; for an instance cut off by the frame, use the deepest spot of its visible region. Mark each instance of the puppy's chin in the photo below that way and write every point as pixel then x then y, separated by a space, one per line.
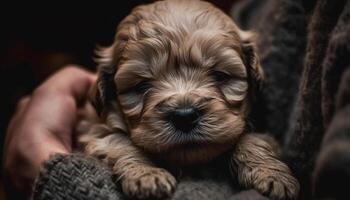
pixel 194 153
pixel 182 149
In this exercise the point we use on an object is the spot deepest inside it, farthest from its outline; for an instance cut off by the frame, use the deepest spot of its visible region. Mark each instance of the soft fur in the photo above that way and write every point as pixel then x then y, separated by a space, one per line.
pixel 171 54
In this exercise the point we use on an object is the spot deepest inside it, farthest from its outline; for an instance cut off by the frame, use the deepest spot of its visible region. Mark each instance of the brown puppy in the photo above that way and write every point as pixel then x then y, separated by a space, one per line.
pixel 177 84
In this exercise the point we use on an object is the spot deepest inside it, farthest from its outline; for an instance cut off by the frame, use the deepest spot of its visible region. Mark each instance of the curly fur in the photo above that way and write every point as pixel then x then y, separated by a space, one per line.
pixel 167 55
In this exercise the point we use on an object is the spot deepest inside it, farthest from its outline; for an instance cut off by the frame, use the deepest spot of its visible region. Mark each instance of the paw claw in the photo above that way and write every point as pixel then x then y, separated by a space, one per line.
pixel 274 184
pixel 152 183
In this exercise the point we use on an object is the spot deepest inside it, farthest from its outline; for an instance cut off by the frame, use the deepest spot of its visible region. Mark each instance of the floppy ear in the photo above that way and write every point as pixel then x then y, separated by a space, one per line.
pixel 251 61
pixel 104 90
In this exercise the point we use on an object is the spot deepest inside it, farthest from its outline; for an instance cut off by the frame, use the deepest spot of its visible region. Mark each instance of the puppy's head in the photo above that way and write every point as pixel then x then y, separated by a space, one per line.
pixel 183 75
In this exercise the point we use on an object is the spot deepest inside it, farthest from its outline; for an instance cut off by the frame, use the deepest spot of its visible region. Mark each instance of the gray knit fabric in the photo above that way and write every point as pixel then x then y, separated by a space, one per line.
pixel 81 177
pixel 75 177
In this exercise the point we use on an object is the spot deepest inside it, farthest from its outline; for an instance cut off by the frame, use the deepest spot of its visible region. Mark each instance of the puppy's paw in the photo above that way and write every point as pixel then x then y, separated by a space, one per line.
pixel 276 183
pixel 148 183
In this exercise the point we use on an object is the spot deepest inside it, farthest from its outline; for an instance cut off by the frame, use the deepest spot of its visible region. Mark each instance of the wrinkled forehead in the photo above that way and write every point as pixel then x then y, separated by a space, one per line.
pixel 151 57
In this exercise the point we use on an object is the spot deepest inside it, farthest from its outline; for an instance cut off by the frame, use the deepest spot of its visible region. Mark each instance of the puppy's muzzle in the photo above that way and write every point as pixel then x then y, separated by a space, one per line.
pixel 185 118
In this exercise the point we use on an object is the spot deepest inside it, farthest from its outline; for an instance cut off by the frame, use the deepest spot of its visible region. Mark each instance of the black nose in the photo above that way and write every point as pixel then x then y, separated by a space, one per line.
pixel 185 118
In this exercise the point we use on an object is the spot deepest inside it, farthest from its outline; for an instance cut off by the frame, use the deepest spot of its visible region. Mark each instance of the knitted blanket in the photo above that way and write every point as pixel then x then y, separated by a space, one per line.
pixel 305 51
pixel 80 177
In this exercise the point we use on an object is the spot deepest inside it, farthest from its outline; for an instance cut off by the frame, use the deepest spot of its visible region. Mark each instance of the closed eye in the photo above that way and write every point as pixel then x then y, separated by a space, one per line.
pixel 142 87
pixel 220 77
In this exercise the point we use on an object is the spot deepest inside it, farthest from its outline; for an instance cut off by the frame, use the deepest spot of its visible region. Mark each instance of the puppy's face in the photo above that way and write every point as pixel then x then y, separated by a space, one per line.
pixel 182 81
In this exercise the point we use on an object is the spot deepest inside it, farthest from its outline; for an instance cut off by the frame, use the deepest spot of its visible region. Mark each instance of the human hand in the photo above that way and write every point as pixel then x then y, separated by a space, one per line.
pixel 43 124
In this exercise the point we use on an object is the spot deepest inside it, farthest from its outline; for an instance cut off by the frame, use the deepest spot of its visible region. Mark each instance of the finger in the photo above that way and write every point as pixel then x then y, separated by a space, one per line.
pixel 42 124
pixel 71 80
pixel 20 109
pixel 22 103
pixel 53 108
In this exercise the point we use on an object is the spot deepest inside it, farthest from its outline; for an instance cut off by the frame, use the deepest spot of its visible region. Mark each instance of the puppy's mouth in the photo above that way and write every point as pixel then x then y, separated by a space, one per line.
pixel 190 138
pixel 189 144
pixel 188 141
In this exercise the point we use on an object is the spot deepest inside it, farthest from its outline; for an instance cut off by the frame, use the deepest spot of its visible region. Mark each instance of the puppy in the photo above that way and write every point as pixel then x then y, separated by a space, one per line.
pixel 177 85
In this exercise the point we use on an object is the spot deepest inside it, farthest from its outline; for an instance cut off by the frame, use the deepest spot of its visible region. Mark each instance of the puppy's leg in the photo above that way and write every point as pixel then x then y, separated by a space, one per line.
pixel 139 178
pixel 257 166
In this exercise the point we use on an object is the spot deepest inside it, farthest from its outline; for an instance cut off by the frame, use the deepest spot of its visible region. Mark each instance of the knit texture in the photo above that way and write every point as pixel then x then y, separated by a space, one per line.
pixel 81 177
pixel 75 176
